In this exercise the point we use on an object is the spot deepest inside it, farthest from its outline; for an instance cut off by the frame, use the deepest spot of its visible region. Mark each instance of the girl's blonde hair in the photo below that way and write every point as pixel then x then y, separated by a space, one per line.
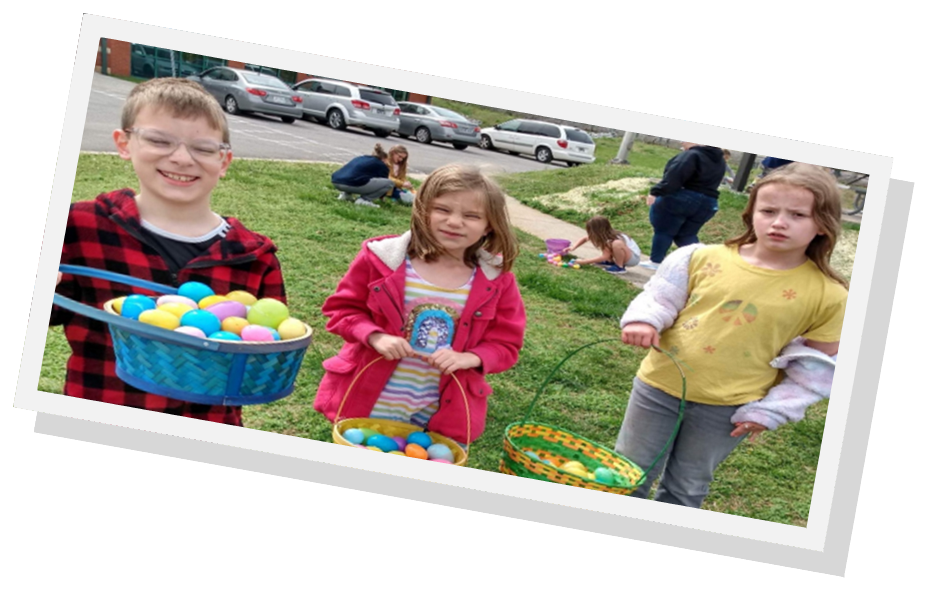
pixel 379 152
pixel 401 169
pixel 826 211
pixel 600 232
pixel 500 239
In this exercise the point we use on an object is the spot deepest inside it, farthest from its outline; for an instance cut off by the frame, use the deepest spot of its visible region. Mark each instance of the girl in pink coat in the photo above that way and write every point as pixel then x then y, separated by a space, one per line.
pixel 437 300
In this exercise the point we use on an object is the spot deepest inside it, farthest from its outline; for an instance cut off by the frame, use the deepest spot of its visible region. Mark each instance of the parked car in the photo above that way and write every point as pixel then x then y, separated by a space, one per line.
pixel 244 91
pixel 343 104
pixel 429 123
pixel 547 142
pixel 147 62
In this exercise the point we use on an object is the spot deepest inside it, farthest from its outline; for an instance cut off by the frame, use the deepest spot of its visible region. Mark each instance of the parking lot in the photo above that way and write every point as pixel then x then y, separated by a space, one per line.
pixel 257 136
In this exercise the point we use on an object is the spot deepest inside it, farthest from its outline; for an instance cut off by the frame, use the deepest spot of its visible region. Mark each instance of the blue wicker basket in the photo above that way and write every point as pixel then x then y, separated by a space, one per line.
pixel 188 368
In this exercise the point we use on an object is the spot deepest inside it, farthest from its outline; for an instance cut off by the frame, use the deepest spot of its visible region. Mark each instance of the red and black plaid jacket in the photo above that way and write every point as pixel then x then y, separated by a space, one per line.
pixel 105 233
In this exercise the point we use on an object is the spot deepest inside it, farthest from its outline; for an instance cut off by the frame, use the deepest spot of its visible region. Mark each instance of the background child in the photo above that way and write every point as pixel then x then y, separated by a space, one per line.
pixel 176 136
pixel 725 311
pixel 398 161
pixel 365 176
pixel 437 300
pixel 619 250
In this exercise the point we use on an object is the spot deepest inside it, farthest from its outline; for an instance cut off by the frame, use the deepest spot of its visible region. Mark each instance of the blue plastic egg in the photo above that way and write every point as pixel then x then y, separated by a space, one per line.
pixel 202 319
pixel 367 432
pixel 274 333
pixel 440 451
pixel 419 438
pixel 194 290
pixel 223 335
pixel 134 305
pixel 532 455
pixel 382 442
pixel 354 436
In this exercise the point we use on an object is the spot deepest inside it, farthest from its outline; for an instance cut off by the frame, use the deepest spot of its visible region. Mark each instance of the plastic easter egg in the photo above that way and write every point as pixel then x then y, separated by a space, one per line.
pixel 222 335
pixel 117 304
pixel 194 290
pixel 202 319
pixel 210 300
pixel 441 461
pixel 177 309
pixel 401 453
pixel 382 442
pixel 419 438
pixel 439 451
pixel 191 331
pixel 354 436
pixel 243 297
pixel 575 467
pixel 234 324
pixel 225 309
pixel 291 328
pixel 165 299
pixel 542 255
pixel 400 442
pixel 162 319
pixel 254 333
pixel 416 452
pixel 367 432
pixel 604 475
pixel 532 455
pixel 268 312
pixel 274 333
pixel 133 306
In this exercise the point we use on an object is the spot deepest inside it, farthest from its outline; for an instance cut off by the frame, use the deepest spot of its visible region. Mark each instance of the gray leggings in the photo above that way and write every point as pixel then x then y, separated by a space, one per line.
pixel 371 191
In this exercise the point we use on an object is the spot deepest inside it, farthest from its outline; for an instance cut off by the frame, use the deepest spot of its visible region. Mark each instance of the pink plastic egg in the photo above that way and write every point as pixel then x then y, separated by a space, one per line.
pixel 254 333
pixel 227 309
pixel 191 331
pixel 177 299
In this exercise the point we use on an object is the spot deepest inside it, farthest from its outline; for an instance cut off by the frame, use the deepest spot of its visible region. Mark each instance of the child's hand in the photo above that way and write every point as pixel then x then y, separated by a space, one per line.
pixel 641 334
pixel 59 280
pixel 448 361
pixel 390 347
pixel 752 428
pixel 650 200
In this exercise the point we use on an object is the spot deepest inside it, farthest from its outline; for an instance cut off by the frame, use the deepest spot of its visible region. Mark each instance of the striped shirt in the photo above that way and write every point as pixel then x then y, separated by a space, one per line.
pixel 431 314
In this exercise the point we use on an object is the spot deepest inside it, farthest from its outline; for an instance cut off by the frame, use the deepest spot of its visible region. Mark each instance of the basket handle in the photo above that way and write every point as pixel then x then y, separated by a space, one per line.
pixel 380 358
pixel 125 323
pixel 676 428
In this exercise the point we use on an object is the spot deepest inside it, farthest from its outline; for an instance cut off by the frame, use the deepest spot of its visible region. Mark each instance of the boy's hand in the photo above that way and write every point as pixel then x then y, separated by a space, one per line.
pixel 641 334
pixel 390 347
pixel 751 428
pixel 59 280
pixel 448 361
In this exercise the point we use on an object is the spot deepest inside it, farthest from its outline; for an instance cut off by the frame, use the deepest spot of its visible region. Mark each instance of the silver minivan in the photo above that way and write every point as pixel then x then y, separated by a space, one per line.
pixel 428 123
pixel 342 104
pixel 547 142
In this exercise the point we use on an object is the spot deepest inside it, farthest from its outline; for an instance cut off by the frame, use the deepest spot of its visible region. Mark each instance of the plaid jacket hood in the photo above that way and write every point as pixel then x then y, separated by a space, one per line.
pixel 106 233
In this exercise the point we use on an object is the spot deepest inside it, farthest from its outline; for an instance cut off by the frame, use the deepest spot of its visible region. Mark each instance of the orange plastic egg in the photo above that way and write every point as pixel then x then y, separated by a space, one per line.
pixel 416 452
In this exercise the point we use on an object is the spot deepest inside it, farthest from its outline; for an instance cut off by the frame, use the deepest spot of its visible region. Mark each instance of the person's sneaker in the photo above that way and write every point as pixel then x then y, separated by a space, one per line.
pixel 650 265
pixel 366 203
pixel 343 196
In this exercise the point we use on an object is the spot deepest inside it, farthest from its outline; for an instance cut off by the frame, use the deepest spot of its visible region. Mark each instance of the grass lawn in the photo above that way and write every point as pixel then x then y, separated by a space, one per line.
pixel 318 236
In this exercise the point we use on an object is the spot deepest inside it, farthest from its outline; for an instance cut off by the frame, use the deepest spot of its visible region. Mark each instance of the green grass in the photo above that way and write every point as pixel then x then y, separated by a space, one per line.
pixel 318 236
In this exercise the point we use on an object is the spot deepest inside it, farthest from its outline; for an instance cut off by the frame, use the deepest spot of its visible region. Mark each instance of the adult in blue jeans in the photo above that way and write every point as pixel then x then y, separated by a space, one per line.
pixel 685 198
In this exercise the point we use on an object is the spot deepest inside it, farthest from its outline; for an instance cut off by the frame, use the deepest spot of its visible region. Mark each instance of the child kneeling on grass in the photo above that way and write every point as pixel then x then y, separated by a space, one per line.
pixel 619 250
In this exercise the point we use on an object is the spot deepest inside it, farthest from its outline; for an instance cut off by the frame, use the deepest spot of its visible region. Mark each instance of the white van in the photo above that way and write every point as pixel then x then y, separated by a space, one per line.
pixel 547 142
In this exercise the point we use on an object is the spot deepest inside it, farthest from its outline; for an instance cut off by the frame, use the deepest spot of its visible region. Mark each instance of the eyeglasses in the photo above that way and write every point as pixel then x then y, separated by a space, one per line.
pixel 202 150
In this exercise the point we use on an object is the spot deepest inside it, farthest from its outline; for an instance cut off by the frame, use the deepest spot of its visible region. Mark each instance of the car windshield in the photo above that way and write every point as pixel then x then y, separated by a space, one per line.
pixel 378 97
pixel 263 80
pixel 449 114
pixel 578 135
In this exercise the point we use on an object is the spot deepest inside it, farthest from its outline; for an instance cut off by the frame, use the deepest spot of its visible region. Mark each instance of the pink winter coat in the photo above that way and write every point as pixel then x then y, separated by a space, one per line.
pixel 370 299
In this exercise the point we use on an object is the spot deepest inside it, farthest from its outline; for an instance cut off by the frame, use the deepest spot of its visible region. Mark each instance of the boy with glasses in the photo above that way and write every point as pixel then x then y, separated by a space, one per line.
pixel 177 138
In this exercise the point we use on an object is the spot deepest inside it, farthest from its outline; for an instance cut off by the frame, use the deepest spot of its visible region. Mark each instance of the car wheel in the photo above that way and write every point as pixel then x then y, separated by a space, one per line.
pixel 423 135
pixel 543 154
pixel 486 143
pixel 287 119
pixel 336 120
pixel 232 105
pixel 381 133
pixel 459 146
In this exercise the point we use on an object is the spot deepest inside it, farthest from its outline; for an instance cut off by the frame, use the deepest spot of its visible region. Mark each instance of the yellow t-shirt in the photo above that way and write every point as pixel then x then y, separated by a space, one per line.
pixel 737 319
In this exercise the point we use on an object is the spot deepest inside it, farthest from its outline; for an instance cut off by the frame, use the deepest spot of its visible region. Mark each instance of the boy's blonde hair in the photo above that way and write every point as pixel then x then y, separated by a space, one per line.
pixel 182 98
pixel 826 211
pixel 500 239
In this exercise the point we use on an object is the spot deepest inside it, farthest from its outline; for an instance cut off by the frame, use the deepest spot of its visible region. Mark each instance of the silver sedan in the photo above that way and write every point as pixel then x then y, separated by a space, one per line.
pixel 241 91
pixel 428 123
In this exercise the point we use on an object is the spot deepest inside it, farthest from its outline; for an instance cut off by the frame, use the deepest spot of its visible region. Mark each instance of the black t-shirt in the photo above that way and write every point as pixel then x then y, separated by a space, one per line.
pixel 177 250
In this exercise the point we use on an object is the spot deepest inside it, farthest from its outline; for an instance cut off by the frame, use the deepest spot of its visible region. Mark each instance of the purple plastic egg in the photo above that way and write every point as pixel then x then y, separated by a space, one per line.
pixel 177 299
pixel 226 309
pixel 400 442
pixel 254 333
pixel 190 330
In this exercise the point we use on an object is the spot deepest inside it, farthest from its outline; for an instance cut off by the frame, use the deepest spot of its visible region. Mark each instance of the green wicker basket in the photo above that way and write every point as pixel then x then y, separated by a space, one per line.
pixel 558 446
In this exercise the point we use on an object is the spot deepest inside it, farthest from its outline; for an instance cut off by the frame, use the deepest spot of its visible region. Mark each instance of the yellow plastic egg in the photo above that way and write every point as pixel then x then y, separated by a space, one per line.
pixel 291 328
pixel 243 297
pixel 211 300
pixel 178 309
pixel 400 453
pixel 117 304
pixel 575 467
pixel 235 324
pixel 160 318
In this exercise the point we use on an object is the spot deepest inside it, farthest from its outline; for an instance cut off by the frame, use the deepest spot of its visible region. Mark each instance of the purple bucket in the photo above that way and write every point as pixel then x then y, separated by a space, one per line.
pixel 556 246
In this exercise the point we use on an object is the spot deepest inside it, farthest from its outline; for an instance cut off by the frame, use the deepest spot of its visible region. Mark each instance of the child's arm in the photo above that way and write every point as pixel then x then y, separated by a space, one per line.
pixel 809 373
pixel 665 294
pixel 606 255
pixel 579 243
pixel 499 349
pixel 347 307
pixel 272 283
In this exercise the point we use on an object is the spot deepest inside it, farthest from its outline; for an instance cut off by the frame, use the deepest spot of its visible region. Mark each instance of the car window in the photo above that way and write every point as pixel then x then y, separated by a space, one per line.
pixel 164 54
pixel 510 126
pixel 549 130
pixel 423 111
pixel 213 74
pixel 228 76
pixel 342 91
pixel 578 135
pixel 264 80
pixel 378 97
pixel 449 114
pixel 408 108
pixel 530 127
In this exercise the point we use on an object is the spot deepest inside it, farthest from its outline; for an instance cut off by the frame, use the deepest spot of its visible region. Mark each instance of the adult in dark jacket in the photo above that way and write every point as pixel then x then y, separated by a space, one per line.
pixel 365 176
pixel 685 198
